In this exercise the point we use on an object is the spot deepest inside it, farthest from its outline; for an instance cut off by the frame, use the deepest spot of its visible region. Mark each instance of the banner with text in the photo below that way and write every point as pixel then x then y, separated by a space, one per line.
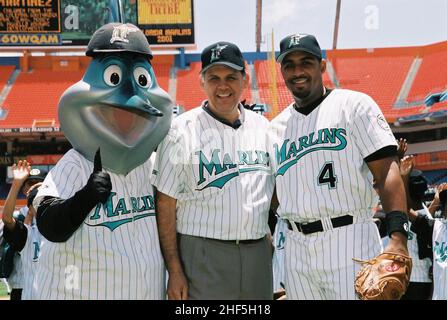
pixel 167 22
pixel 30 22
pixel 57 22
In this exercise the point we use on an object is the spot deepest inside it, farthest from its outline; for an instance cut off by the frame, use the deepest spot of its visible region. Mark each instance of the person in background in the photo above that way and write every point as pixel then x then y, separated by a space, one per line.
pixel 16 228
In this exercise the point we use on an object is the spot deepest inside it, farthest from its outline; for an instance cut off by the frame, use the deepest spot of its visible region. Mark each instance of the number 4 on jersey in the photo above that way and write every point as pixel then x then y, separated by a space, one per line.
pixel 327 175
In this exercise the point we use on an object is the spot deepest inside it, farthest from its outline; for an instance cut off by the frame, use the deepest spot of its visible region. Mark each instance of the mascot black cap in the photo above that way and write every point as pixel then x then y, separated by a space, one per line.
pixel 118 37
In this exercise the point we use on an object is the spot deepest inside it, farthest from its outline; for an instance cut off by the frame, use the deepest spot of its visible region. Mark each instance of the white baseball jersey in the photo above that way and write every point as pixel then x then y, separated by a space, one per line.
pixel 115 253
pixel 279 239
pixel 440 259
pixel 219 175
pixel 420 269
pixel 17 277
pixel 30 258
pixel 318 160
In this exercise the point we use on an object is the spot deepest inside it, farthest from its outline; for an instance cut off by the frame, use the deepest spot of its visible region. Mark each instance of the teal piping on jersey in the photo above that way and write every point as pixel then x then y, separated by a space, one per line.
pixel 286 166
pixel 112 225
pixel 243 170
pixel 220 182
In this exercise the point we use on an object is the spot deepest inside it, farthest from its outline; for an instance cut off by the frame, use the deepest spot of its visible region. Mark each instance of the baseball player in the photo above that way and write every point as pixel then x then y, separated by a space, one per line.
pixel 20 231
pixel 328 148
pixel 99 221
pixel 214 187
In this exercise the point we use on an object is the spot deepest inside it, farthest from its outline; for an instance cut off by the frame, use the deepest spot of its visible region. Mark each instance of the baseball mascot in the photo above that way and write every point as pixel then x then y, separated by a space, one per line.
pixel 96 207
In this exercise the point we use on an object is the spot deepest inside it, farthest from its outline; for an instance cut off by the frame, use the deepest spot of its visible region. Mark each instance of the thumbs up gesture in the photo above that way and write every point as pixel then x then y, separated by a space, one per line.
pixel 99 184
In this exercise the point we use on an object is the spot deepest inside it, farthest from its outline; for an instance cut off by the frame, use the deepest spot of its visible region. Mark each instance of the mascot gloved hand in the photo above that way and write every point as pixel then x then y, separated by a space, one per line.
pixel 118 108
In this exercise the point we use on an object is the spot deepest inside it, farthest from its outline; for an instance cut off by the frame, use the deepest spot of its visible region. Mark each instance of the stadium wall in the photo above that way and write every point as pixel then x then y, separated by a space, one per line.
pixel 10 61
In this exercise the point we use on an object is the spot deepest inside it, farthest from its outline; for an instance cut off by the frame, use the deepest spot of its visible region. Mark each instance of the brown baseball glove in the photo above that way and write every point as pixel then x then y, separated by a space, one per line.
pixel 384 277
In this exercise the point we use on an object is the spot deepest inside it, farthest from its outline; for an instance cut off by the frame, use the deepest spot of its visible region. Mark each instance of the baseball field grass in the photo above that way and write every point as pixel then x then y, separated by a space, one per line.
pixel 3 292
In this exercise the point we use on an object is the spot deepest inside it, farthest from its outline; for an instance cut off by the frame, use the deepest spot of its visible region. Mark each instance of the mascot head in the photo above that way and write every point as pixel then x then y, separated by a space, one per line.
pixel 118 105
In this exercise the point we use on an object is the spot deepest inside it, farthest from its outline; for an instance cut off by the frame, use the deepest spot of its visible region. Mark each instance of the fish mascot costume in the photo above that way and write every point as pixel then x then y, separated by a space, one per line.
pixel 96 207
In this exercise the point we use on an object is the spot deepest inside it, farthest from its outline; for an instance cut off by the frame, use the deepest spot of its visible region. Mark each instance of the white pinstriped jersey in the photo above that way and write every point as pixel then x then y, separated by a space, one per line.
pixel 115 253
pixel 420 269
pixel 220 176
pixel 279 240
pixel 318 161
pixel 319 266
pixel 440 259
pixel 17 277
pixel 30 258
pixel 318 158
pixel 15 280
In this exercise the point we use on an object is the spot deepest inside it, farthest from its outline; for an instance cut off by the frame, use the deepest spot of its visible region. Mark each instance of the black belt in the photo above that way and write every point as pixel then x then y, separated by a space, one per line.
pixel 237 242
pixel 317 226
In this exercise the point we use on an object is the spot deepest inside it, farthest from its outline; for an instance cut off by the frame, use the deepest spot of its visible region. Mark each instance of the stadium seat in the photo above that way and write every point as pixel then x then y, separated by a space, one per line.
pixel 5 74
pixel 381 77
pixel 35 96
pixel 431 76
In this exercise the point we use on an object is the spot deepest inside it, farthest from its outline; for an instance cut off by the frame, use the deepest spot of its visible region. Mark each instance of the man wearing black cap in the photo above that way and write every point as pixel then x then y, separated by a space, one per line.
pixel 326 148
pixel 17 229
pixel 214 188
pixel 35 176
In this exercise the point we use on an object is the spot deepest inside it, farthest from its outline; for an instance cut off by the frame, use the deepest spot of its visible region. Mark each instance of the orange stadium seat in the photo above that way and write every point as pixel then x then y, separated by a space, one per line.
pixel 431 76
pixel 189 92
pixel 431 161
pixel 5 74
pixel 35 95
pixel 405 112
pixel 439 106
pixel 162 68
pixel 380 77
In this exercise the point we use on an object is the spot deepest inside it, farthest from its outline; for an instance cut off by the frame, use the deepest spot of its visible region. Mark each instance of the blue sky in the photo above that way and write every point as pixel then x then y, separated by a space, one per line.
pixel 363 23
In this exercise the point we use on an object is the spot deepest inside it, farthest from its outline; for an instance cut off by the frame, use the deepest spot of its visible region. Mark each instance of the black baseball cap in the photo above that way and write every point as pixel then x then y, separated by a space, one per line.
pixel 36 175
pixel 299 42
pixel 417 184
pixel 224 53
pixel 118 37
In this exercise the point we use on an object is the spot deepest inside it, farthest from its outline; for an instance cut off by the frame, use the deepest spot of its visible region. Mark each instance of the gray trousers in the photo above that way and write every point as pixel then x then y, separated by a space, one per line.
pixel 223 270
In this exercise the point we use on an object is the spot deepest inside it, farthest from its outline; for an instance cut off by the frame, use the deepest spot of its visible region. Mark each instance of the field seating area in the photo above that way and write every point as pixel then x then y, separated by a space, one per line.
pixel 398 79
pixel 35 95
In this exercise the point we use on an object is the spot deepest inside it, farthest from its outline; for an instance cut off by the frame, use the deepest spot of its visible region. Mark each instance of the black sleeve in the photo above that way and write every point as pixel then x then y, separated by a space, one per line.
pixel 385 152
pixel 423 227
pixel 16 238
pixel 57 219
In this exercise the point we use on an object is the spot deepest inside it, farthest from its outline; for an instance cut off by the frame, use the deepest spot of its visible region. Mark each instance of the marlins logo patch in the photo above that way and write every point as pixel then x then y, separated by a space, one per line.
pixel 382 122
pixel 216 52
pixel 295 39
pixel 121 32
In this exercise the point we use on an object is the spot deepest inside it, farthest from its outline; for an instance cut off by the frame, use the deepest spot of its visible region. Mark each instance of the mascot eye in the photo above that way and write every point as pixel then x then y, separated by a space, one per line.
pixel 112 75
pixel 142 77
